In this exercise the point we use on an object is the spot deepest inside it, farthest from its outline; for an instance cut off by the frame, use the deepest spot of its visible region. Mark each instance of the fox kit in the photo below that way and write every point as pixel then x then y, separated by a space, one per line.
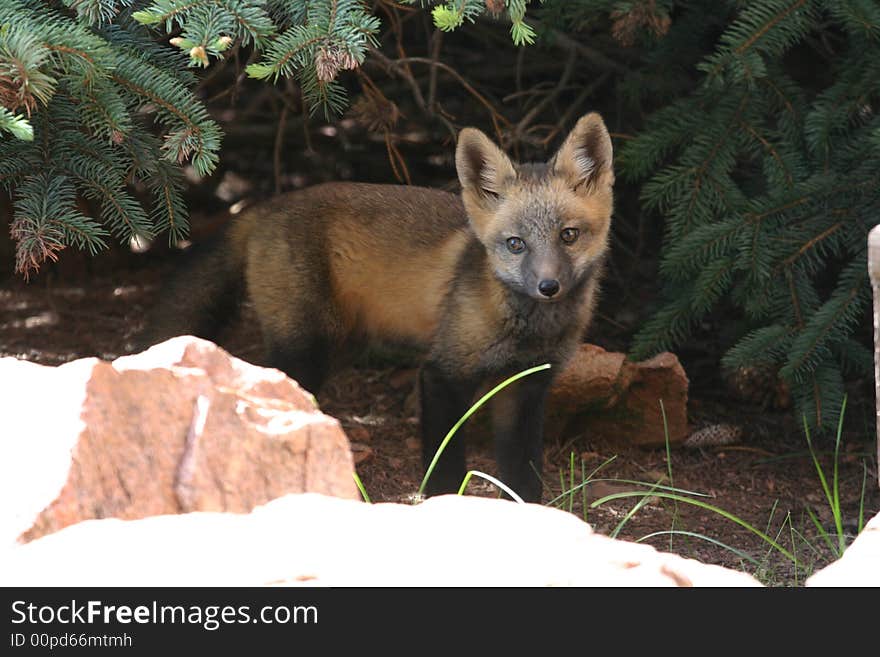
pixel 491 282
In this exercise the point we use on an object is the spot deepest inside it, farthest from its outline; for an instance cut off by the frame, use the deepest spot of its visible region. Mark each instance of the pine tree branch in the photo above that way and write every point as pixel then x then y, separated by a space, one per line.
pixel 811 243
pixel 769 25
pixel 770 149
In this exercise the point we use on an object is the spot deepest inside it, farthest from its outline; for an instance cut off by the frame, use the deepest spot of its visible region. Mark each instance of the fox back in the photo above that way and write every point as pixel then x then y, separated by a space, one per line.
pixel 360 262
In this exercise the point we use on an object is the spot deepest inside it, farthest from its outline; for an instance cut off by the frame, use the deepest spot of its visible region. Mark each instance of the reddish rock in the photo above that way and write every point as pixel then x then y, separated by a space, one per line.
pixel 593 376
pixel 181 427
pixel 361 452
pixel 358 433
pixel 602 394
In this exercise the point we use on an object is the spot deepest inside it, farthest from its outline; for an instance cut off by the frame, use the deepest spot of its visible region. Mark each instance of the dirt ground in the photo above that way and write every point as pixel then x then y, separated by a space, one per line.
pixel 766 479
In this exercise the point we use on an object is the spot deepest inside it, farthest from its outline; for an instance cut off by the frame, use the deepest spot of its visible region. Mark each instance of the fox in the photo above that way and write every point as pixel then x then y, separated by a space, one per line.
pixel 488 282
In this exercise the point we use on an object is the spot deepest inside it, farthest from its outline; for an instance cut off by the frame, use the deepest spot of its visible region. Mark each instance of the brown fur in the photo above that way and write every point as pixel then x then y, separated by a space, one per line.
pixel 330 244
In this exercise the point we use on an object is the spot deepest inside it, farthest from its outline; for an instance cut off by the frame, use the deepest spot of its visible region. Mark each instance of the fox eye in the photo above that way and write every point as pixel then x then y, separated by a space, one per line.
pixel 515 245
pixel 569 235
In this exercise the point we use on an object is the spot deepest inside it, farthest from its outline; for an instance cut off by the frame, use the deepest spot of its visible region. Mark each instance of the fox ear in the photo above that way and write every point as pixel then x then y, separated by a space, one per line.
pixel 585 157
pixel 482 167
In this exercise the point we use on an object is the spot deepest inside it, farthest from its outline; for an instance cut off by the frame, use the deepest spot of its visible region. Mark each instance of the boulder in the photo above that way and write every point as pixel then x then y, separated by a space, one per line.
pixel 859 565
pixel 181 427
pixel 603 395
pixel 317 540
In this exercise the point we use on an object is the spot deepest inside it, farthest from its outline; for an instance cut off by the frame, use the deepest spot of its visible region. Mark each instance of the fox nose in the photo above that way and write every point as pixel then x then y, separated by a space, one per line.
pixel 548 287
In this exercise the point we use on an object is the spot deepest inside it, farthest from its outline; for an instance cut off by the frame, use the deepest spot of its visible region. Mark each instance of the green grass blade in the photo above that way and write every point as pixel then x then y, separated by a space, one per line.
pixel 825 489
pixel 635 482
pixel 835 504
pixel 702 505
pixel 584 481
pixel 816 553
pixel 861 525
pixel 491 479
pixel 584 489
pixel 770 522
pixel 360 485
pixel 562 492
pixel 822 532
pixel 666 440
pixel 772 513
pixel 708 539
pixel 473 409
pixel 638 505
pixel 668 465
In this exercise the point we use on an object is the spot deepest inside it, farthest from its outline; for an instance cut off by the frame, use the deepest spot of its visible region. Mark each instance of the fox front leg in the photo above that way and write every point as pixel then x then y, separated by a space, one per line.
pixel 443 401
pixel 518 424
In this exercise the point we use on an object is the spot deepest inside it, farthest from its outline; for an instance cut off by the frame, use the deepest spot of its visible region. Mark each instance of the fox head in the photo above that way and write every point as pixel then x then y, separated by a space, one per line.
pixel 544 225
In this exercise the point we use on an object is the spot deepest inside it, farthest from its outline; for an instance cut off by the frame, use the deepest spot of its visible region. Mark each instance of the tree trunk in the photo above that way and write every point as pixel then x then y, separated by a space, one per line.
pixel 874 273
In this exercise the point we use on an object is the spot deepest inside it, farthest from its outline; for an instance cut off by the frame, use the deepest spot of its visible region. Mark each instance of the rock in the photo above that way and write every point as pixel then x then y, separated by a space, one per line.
pixel 181 427
pixel 593 376
pixel 360 452
pixel 859 565
pixel 604 395
pixel 358 433
pixel 306 540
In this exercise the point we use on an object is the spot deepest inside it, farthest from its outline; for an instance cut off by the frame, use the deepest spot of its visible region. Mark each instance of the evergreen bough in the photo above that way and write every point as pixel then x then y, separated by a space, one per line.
pixel 93 104
pixel 451 14
pixel 767 176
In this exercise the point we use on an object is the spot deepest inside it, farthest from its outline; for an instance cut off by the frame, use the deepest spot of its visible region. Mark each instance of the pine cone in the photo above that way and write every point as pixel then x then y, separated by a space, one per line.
pixel 330 58
pixel 326 63
pixel 714 435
